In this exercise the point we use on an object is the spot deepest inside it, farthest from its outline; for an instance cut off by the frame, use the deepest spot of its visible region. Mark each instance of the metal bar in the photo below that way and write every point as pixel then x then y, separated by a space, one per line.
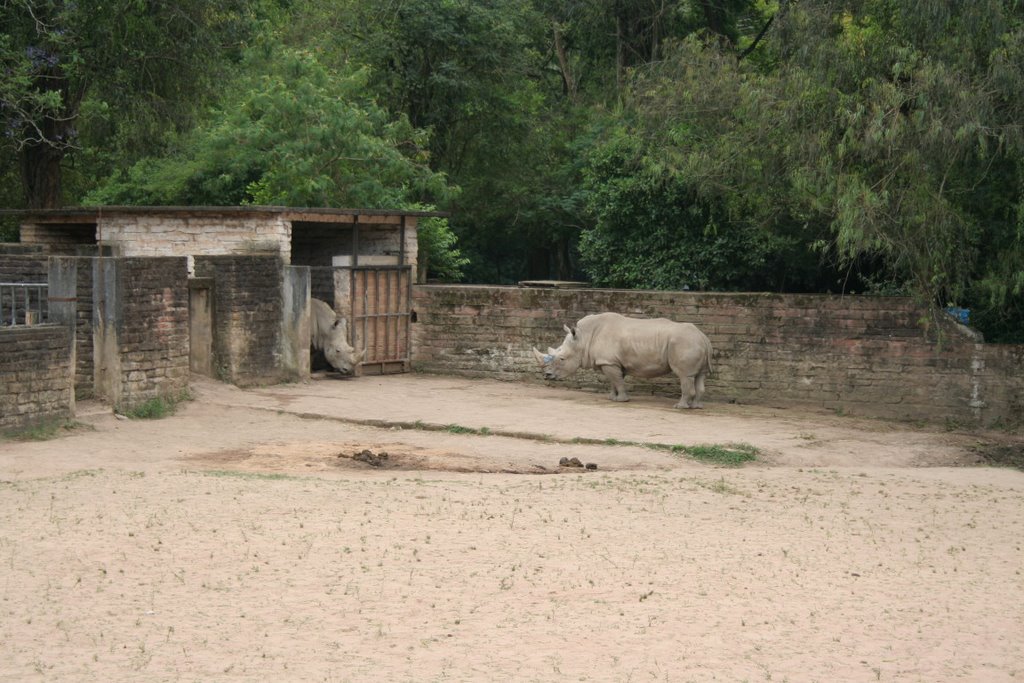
pixel 355 240
pixel 28 297
pixel 376 309
pixel 401 242
pixel 366 328
pixel 387 320
pixel 408 318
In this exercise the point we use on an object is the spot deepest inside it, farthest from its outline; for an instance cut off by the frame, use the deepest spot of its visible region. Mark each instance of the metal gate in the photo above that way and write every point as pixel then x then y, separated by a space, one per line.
pixel 381 304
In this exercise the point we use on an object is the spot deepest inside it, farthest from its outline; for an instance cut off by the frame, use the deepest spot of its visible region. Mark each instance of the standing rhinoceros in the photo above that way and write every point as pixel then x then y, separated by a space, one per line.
pixel 329 333
pixel 621 346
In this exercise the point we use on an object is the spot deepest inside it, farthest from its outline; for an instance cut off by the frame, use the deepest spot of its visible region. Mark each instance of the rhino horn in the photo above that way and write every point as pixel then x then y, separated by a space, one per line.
pixel 539 356
pixel 357 356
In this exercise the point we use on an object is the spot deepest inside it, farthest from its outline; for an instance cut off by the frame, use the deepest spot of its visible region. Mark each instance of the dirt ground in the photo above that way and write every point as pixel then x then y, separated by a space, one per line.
pixel 417 528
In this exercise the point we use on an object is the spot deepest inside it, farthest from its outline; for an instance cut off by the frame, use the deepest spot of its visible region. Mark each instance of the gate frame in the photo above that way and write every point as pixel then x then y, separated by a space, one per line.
pixel 360 323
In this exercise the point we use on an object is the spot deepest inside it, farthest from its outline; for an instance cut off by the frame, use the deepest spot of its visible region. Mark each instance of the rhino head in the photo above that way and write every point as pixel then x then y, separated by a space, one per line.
pixel 561 362
pixel 338 352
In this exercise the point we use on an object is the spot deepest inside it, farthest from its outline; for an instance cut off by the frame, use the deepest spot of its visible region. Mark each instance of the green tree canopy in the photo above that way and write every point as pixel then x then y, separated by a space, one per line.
pixel 135 67
pixel 289 132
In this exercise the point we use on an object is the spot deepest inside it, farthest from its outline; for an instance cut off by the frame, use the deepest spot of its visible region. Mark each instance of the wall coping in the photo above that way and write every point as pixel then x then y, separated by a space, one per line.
pixel 311 214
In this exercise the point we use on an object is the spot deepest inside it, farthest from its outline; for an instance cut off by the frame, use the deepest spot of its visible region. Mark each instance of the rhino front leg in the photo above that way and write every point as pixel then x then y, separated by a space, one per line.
pixel 615 376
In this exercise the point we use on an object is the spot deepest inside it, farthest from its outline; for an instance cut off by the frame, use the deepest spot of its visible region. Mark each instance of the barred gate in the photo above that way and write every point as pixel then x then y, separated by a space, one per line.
pixel 23 303
pixel 380 316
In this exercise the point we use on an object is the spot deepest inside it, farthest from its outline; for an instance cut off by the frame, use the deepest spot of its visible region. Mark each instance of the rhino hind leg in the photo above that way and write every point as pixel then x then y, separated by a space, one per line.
pixel 692 388
pixel 615 376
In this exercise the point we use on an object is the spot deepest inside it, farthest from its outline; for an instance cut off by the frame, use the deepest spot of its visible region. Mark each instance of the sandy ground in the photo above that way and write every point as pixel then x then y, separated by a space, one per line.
pixel 241 540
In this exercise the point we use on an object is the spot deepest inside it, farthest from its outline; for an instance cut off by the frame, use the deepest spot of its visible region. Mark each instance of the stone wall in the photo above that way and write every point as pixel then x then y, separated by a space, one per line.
pixel 175 233
pixel 35 376
pixel 140 321
pixel 22 263
pixel 63 239
pixel 248 314
pixel 84 362
pixel 862 355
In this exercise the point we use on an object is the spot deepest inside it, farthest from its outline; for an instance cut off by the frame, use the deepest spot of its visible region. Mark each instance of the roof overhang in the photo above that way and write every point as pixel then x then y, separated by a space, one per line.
pixel 308 214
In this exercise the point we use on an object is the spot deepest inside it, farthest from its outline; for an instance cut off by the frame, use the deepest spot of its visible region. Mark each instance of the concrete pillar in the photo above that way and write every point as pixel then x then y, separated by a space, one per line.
pixel 107 314
pixel 295 332
pixel 63 310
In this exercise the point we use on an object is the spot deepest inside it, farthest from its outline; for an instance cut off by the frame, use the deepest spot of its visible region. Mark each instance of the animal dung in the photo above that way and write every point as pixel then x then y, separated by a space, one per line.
pixel 370 458
pixel 570 462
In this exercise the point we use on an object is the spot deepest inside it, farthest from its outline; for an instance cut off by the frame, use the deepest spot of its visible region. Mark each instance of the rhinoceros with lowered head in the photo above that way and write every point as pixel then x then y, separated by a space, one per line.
pixel 645 347
pixel 329 334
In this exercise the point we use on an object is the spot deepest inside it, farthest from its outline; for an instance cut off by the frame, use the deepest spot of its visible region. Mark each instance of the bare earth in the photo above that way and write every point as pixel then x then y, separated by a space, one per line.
pixel 247 538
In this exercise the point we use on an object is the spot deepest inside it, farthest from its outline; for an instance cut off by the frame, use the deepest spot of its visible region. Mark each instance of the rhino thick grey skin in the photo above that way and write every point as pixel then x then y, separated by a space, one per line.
pixel 329 333
pixel 644 347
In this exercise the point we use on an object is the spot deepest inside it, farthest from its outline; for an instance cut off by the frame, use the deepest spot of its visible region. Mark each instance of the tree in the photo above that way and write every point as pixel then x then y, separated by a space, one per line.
pixel 888 136
pixel 288 132
pixel 135 66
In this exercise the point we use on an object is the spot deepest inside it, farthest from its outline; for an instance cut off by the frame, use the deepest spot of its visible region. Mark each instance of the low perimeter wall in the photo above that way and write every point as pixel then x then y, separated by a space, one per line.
pixel 861 355
pixel 35 375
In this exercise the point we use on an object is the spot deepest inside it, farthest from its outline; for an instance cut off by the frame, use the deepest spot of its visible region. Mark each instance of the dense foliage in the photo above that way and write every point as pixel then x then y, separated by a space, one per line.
pixel 836 145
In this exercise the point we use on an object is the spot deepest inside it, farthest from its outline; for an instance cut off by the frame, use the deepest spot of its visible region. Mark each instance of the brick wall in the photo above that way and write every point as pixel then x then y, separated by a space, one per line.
pixel 84 367
pixel 141 328
pixel 247 311
pixel 60 239
pixel 178 235
pixel 863 355
pixel 22 265
pixel 35 376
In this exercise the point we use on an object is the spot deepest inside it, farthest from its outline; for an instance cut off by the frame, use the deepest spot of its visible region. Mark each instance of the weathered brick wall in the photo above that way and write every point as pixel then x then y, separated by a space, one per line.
pixel 248 310
pixel 84 367
pixel 141 325
pixel 864 355
pixel 177 235
pixel 22 264
pixel 35 376
pixel 60 239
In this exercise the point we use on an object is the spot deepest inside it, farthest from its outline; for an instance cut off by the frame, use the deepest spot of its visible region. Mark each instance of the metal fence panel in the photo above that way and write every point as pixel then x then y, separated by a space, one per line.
pixel 23 303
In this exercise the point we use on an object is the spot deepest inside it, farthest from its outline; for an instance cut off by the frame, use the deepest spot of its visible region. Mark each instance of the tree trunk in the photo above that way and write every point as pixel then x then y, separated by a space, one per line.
pixel 41 175
pixel 620 57
pixel 714 17
pixel 568 82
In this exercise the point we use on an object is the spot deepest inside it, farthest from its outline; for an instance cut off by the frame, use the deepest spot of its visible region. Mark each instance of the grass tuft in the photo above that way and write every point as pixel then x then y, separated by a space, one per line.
pixel 729 455
pixel 157 408
pixel 44 431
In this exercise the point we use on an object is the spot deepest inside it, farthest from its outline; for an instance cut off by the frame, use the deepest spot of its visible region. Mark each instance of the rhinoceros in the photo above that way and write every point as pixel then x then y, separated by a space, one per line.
pixel 329 334
pixel 644 347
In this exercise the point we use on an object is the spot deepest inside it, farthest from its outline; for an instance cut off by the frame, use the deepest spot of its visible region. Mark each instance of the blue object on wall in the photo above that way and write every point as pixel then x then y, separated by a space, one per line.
pixel 962 315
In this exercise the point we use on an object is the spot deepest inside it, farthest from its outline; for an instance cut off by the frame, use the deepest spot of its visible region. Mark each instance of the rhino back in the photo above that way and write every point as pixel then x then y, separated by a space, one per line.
pixel 643 346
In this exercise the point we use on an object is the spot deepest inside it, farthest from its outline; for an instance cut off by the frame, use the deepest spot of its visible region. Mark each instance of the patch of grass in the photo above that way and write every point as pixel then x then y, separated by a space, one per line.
pixel 730 455
pixel 44 431
pixel 156 408
pixel 459 429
